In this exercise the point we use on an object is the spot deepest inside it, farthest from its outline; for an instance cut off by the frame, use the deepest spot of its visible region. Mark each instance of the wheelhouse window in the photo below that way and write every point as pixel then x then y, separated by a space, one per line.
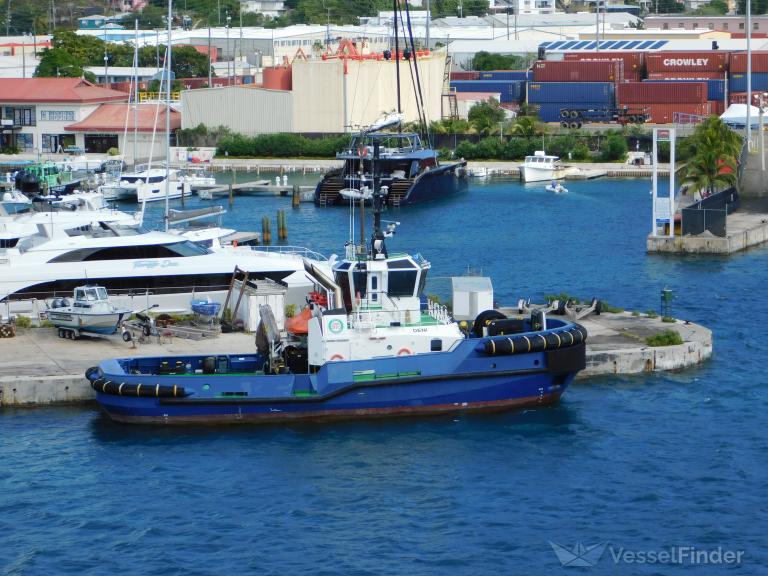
pixel 176 250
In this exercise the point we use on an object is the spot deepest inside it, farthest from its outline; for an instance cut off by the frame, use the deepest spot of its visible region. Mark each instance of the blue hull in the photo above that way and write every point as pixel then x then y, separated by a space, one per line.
pixel 442 182
pixel 464 379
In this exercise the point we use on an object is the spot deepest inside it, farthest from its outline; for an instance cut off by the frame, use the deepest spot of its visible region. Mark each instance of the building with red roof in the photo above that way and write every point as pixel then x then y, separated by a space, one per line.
pixel 34 112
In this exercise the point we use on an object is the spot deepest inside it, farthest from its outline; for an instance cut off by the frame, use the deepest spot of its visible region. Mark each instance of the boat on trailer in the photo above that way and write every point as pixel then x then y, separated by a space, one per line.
pixel 90 312
pixel 368 345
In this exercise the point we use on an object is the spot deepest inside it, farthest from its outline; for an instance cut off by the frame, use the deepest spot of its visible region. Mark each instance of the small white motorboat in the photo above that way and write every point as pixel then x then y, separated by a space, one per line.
pixel 90 312
pixel 556 187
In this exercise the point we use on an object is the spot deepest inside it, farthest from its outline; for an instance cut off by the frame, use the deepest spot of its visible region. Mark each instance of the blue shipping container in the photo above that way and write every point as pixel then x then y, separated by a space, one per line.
pixel 738 82
pixel 509 90
pixel 550 111
pixel 544 92
pixel 507 75
pixel 715 88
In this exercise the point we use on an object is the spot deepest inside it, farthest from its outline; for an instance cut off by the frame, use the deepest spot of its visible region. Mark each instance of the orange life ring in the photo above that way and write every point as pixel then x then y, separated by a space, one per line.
pixel 337 357
pixel 404 352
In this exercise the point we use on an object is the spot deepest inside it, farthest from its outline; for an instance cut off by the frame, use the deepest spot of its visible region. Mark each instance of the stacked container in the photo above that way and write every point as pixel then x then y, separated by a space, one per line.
pixel 663 99
pixel 510 91
pixel 577 71
pixel 633 63
pixel 552 97
pixel 465 75
pixel 738 77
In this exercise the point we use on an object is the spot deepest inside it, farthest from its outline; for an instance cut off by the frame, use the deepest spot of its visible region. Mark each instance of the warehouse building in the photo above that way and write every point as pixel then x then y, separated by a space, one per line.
pixel 334 95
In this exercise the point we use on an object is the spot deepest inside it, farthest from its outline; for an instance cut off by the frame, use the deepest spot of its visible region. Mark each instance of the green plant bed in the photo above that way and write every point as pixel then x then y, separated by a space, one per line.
pixel 668 319
pixel 665 338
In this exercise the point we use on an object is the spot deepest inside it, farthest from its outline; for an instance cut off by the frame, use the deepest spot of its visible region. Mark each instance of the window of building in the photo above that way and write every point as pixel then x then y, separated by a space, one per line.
pixel 725 26
pixel 57 115
pixel 711 26
pixel 20 116
pixel 695 25
pixel 755 26
pixel 741 25
pixel 680 25
pixel 25 142
pixel 665 26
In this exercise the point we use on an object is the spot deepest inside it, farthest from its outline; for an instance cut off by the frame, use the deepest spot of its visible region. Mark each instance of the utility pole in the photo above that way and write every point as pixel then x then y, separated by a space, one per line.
pixel 749 74
pixel 210 71
pixel 507 21
pixel 517 9
pixel 106 59
pixel 8 20
pixel 597 25
pixel 230 53
pixel 429 17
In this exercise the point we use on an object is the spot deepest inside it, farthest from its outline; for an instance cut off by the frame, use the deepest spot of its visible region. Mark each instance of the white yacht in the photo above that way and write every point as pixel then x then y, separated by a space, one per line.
pixel 542 168
pixel 146 186
pixel 137 267
pixel 197 178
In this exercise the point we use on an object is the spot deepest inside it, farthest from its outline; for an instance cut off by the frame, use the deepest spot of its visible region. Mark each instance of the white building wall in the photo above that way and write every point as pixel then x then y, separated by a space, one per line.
pixel 363 94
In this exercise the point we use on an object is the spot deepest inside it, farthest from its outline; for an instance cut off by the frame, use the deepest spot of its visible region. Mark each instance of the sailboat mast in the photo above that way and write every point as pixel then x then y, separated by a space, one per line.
pixel 395 7
pixel 168 118
pixel 135 88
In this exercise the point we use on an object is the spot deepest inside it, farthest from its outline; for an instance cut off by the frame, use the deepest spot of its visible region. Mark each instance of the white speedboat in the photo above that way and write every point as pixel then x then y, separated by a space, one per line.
pixel 197 178
pixel 146 186
pixel 541 167
pixel 14 202
pixel 556 187
pixel 89 312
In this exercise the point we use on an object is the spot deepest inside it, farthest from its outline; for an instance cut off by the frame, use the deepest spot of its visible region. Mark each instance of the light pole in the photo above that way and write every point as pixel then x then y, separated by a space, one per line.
pixel 507 21
pixel 749 74
pixel 229 53
pixel 517 9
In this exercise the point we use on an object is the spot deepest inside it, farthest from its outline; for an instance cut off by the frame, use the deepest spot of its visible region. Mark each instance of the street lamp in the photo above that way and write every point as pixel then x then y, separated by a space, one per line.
pixel 507 21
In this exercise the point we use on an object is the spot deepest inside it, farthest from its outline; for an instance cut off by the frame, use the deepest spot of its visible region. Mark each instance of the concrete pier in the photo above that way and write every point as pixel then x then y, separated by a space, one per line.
pixel 746 227
pixel 40 368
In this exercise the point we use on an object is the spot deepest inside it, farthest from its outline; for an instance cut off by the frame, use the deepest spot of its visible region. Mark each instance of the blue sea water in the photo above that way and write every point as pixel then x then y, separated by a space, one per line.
pixel 641 464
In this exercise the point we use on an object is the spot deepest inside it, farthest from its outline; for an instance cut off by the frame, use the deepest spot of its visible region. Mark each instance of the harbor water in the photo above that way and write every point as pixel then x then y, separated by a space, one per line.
pixel 636 465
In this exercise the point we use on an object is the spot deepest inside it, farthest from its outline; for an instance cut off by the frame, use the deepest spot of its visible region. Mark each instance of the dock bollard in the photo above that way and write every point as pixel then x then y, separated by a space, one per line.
pixel 296 197
pixel 266 235
pixel 231 195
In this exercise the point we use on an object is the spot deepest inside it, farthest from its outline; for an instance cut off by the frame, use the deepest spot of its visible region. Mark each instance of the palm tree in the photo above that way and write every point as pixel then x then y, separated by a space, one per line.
pixel 526 127
pixel 715 161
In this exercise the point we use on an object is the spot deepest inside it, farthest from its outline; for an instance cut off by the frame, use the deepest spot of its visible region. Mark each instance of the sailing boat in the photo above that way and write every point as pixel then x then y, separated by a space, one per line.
pixel 408 163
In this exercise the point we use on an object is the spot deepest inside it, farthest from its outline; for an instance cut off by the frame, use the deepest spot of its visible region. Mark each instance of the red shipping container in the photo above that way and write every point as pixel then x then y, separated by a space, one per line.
pixel 577 71
pixel 665 113
pixel 716 107
pixel 759 61
pixel 469 75
pixel 661 92
pixel 686 76
pixel 632 60
pixel 705 61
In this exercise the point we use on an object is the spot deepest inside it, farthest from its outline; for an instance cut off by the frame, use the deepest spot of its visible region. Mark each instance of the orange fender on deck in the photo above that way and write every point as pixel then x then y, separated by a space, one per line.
pixel 299 324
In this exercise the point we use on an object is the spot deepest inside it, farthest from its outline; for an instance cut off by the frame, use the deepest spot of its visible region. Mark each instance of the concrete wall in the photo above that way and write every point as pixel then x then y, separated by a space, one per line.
pixel 242 109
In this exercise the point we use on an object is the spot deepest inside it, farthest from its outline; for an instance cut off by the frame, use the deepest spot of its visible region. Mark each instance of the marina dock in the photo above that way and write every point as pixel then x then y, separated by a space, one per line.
pixel 41 368
pixel 263 188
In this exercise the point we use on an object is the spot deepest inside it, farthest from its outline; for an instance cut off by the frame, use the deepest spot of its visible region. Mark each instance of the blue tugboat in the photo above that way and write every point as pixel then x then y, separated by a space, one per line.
pixel 409 169
pixel 371 346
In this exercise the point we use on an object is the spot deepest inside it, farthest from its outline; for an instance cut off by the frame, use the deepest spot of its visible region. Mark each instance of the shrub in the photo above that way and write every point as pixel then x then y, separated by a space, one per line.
pixel 113 152
pixel 23 321
pixel 651 314
pixel 668 319
pixel 614 148
pixel 665 338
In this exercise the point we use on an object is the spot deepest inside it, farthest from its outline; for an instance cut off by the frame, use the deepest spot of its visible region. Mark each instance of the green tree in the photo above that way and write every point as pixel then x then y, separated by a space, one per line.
pixel 713 8
pixel 58 62
pixel 526 126
pixel 614 148
pixel 485 117
pixel 757 6
pixel 716 149
pixel 666 7
pixel 487 61
pixel 475 7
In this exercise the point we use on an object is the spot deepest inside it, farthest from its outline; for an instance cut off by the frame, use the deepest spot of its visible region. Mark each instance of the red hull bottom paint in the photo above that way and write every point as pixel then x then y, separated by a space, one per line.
pixel 327 415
